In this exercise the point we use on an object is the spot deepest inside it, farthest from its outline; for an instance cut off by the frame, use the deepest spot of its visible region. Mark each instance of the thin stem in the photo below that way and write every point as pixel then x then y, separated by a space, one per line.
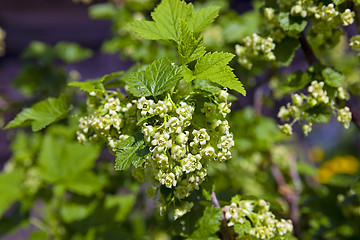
pixel 214 200
pixel 225 232
pixel 290 196
pixel 309 54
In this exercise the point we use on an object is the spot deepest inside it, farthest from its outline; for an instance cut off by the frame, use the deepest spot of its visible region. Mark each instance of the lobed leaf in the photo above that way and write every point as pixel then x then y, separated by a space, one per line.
pixel 202 18
pixel 67 164
pixel 332 77
pixel 213 67
pixel 10 188
pixel 157 78
pixel 189 48
pixel 41 114
pixel 208 224
pixel 319 113
pixel 285 50
pixel 130 152
pixel 166 18
pixel 96 85
pixel 71 52
pixel 165 25
pixel 242 228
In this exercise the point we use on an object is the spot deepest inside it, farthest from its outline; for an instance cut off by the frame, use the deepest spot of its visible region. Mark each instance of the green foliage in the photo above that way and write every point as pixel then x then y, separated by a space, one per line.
pixel 285 50
pixel 42 75
pixel 208 224
pixel 96 85
pixel 157 78
pixel 243 228
pixel 66 164
pixel 41 114
pixel 71 52
pixel 166 121
pixel 11 189
pixel 190 48
pixel 167 16
pixel 130 153
pixel 213 67
pixel 332 78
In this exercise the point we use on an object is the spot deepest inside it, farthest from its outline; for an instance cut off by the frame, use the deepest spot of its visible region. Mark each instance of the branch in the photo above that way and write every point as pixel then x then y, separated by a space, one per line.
pixel 214 200
pixel 291 197
pixel 309 54
pixel 225 232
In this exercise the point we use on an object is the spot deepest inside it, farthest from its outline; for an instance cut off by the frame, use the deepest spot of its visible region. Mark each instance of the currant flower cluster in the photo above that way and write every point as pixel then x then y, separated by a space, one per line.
pixel 264 225
pixel 317 96
pixel 314 9
pixel 108 121
pixel 179 146
pixel 291 17
pixel 255 48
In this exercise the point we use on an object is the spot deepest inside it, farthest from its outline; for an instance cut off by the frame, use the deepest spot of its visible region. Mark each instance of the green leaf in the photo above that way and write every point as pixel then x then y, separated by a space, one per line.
pixel 85 183
pixel 130 152
pixel 285 50
pixel 287 23
pixel 189 47
pixel 166 18
pixel 67 163
pixel 96 85
pixel 111 76
pixel 165 25
pixel 102 11
pixel 332 77
pixel 202 18
pixel 41 114
pixel 306 169
pixel 89 86
pixel 159 77
pixel 38 235
pixel 206 86
pixel 71 52
pixel 213 67
pixel 10 188
pixel 208 224
pixel 319 113
pixel 296 81
pixel 71 211
pixel 242 228
pixel 343 180
pixel 124 204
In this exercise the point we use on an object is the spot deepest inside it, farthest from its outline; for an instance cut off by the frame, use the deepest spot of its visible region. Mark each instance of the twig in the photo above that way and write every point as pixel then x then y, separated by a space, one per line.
pixel 225 232
pixel 258 100
pixel 214 200
pixel 291 197
pixel 309 54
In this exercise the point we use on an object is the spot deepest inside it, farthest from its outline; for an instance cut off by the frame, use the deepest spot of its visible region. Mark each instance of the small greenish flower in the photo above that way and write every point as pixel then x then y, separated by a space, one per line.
pixel 296 99
pixel 355 43
pixel 306 128
pixel 209 109
pixel 286 128
pixel 200 136
pixel 344 116
pixel 347 17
